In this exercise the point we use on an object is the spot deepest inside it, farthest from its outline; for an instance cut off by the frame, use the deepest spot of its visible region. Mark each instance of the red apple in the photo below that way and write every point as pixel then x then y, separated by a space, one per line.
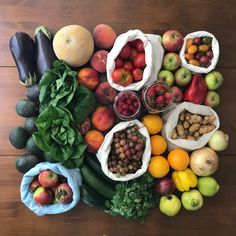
pixel 48 178
pixel 42 195
pixel 178 94
pixel 34 185
pixel 118 63
pixel 172 40
pixel 89 78
pixel 63 193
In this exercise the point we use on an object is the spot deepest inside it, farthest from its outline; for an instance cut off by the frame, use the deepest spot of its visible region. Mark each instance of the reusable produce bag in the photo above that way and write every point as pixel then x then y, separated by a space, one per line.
pixel 215 49
pixel 171 119
pixel 73 178
pixel 105 148
pixel 153 56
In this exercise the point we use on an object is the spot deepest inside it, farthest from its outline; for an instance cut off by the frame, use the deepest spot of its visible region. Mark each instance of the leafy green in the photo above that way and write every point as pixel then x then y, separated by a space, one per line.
pixel 57 86
pixel 134 199
pixel 57 134
pixel 82 104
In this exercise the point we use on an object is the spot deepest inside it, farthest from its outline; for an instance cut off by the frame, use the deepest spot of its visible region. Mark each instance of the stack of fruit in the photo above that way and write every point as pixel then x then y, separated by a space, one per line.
pixel 186 86
pixel 78 108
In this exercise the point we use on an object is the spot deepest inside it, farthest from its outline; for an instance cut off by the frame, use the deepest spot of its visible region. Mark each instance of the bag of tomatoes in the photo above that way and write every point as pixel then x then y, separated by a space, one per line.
pixel 200 52
pixel 134 60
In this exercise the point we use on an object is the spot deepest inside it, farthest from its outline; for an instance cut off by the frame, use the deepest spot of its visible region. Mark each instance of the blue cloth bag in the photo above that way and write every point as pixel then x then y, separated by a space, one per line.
pixel 73 178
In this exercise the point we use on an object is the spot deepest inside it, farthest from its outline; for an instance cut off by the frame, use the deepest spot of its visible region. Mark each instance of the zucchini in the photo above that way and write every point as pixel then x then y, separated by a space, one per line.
pixel 92 198
pixel 92 162
pixel 96 182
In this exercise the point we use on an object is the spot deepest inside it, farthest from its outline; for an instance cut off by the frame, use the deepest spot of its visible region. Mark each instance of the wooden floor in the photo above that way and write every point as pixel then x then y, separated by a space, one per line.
pixel 218 216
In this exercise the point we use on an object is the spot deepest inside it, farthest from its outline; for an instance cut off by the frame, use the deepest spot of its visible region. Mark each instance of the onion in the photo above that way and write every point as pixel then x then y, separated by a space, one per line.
pixel 164 186
pixel 204 161
pixel 219 141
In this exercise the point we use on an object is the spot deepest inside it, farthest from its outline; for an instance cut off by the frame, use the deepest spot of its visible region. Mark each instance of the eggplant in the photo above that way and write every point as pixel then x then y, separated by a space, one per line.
pixel 45 55
pixel 23 50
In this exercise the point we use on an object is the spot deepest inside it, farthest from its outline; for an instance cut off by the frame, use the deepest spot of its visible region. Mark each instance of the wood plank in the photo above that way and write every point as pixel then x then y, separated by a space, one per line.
pixel 83 220
pixel 149 16
pixel 11 91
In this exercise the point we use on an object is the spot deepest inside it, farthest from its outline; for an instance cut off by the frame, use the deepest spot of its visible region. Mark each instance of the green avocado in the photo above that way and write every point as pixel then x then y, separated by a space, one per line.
pixel 32 93
pixel 25 162
pixel 30 125
pixel 33 148
pixel 26 108
pixel 18 137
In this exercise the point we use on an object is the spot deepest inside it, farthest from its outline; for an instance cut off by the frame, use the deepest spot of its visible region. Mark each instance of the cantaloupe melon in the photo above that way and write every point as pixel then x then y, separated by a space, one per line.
pixel 74 44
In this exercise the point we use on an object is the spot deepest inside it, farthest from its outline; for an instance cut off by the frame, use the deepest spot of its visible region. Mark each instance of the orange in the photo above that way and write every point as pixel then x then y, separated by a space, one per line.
pixel 158 144
pixel 194 62
pixel 192 49
pixel 189 43
pixel 178 159
pixel 153 123
pixel 158 166
pixel 189 56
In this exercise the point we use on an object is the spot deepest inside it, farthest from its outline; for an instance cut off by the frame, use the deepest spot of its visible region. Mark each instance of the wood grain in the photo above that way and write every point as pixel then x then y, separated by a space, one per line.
pixel 218 17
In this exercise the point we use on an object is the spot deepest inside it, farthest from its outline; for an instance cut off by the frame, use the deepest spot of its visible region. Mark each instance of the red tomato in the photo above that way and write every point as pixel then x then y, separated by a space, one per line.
pixel 122 77
pixel 139 60
pixel 133 43
pixel 119 62
pixel 137 74
pixel 125 51
pixel 133 53
pixel 139 46
pixel 128 65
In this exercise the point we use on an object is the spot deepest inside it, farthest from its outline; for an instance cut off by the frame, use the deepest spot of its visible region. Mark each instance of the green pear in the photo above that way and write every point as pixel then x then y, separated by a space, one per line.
pixel 170 205
pixel 192 200
pixel 208 186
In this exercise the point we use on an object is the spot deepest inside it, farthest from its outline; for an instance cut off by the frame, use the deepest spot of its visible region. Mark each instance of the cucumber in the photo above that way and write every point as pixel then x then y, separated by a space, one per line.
pixel 96 182
pixel 92 162
pixel 92 198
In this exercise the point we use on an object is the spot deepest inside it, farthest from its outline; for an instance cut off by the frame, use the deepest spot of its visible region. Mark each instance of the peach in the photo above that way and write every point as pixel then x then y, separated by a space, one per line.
pixel 99 61
pixel 104 36
pixel 105 94
pixel 103 118
pixel 94 139
pixel 88 77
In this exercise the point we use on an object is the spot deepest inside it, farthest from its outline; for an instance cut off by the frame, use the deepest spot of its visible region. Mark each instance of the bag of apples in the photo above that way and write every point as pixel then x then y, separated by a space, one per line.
pixel 200 52
pixel 50 188
pixel 134 60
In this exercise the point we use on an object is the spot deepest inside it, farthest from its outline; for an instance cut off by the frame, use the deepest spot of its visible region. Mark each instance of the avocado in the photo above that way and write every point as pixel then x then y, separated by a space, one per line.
pixel 48 157
pixel 26 162
pixel 30 125
pixel 26 108
pixel 33 148
pixel 18 137
pixel 32 93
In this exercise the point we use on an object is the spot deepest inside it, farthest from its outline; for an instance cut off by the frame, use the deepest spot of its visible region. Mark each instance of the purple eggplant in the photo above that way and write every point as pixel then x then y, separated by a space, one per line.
pixel 45 55
pixel 23 50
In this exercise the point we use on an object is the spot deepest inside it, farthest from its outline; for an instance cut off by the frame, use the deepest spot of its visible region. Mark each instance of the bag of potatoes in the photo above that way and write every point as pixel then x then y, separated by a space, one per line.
pixel 189 126
pixel 214 47
pixel 153 56
pixel 104 153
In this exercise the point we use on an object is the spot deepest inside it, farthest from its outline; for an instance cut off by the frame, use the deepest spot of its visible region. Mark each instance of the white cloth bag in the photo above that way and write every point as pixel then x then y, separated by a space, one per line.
pixel 153 56
pixel 171 120
pixel 105 148
pixel 215 49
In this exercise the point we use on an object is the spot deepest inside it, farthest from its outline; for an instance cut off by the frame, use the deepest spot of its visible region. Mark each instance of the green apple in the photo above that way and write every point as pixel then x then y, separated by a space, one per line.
pixel 192 200
pixel 183 77
pixel 208 186
pixel 212 99
pixel 171 61
pixel 214 80
pixel 166 77
pixel 170 205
